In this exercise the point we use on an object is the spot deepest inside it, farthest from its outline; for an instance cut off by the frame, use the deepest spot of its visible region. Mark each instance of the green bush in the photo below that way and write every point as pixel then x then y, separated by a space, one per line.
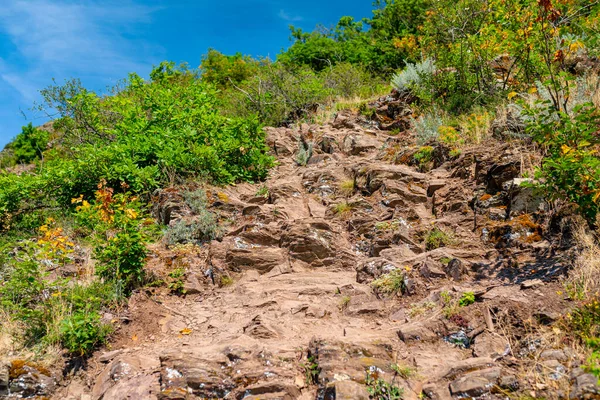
pixel 120 234
pixel 203 227
pixel 571 166
pixel 82 332
pixel 29 145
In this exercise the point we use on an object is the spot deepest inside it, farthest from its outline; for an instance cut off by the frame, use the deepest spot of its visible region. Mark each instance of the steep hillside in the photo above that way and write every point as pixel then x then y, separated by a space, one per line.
pixel 356 275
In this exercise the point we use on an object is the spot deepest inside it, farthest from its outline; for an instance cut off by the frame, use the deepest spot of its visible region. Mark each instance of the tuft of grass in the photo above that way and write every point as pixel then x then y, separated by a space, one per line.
pixel 584 278
pixel 342 209
pixel 450 305
pixel 390 284
pixel 345 302
pixel 263 192
pixel 403 371
pixel 226 281
pixel 417 309
pixel 347 187
pixel 437 238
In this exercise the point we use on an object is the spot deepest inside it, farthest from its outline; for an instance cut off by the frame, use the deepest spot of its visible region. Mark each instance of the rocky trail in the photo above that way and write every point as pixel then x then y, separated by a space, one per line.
pixel 284 306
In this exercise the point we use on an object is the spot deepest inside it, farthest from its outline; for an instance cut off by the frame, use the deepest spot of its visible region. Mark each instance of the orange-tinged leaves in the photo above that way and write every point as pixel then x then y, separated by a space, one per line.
pixel 186 331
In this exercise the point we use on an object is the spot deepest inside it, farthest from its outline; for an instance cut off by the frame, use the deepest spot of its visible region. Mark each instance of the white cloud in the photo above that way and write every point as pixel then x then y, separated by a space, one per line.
pixel 70 38
pixel 288 17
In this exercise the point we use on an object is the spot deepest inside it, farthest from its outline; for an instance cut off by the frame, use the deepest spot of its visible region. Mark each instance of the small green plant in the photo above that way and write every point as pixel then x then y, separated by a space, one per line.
pixel 445 260
pixel 426 128
pixel 450 304
pixel 592 364
pixel 263 191
pixel 466 299
pixel 381 390
pixel 403 371
pixel 311 370
pixel 226 280
pixel 424 157
pixel 347 187
pixel 413 74
pixel 345 302
pixel 455 153
pixel 437 238
pixel 584 320
pixel 82 332
pixel 176 281
pixel 391 283
pixel 417 309
pixel 342 209
pixel 305 152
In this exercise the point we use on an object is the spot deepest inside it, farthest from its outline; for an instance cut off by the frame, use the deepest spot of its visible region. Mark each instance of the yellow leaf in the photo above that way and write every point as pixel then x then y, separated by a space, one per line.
pixel 185 331
pixel 565 149
pixel 134 338
pixel 596 196
pixel 532 90
pixel 511 95
pixel 583 143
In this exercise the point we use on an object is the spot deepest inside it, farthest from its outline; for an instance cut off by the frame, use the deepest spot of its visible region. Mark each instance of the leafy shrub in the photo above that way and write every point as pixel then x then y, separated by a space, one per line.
pixel 584 320
pixel 412 75
pixel 426 127
pixel 120 234
pixel 571 166
pixel 82 332
pixel 29 144
pixel 204 226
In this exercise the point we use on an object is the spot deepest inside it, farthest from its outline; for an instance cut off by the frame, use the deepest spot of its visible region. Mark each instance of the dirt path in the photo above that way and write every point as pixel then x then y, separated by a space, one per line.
pixel 302 320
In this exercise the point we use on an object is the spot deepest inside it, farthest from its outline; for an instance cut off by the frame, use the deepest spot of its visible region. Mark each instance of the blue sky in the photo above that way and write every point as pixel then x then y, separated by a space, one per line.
pixel 100 41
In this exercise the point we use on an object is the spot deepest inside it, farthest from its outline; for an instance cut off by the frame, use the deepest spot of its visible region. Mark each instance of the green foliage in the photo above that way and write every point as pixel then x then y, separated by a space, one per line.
pixel 311 370
pixel 584 321
pixel 203 227
pixel 413 74
pixel 29 145
pixel 380 389
pixel 391 283
pixel 53 311
pixel 176 281
pixel 225 71
pixel 437 238
pixel 426 127
pixel 571 166
pixel 147 134
pixel 592 364
pixel 424 157
pixel 403 371
pixel 466 299
pixel 120 231
pixel 82 332
pixel 382 48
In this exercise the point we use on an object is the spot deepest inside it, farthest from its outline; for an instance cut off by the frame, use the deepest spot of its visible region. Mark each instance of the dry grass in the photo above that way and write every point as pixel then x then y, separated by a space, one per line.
pixel 584 278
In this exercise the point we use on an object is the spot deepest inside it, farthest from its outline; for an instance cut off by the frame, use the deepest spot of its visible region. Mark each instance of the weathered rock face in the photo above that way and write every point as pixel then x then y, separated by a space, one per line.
pixel 20 379
pixel 313 242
